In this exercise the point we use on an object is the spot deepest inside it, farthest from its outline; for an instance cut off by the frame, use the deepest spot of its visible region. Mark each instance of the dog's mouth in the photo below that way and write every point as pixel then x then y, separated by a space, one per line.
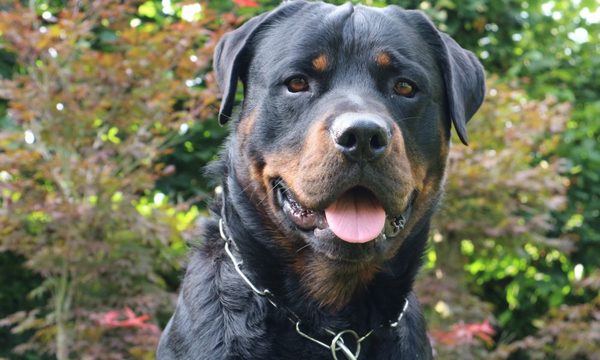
pixel 357 216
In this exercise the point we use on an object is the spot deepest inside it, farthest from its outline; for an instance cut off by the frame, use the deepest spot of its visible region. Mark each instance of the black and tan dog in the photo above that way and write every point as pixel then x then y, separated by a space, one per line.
pixel 330 177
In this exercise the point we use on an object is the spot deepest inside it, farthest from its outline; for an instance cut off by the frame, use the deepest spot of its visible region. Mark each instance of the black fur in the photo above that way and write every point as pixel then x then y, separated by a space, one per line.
pixel 218 316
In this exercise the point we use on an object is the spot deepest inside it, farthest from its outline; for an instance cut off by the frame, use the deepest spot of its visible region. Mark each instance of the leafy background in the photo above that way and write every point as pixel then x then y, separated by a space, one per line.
pixel 107 117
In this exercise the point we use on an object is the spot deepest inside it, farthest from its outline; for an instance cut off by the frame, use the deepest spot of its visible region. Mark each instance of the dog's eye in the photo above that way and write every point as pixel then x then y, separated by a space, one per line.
pixel 404 88
pixel 297 84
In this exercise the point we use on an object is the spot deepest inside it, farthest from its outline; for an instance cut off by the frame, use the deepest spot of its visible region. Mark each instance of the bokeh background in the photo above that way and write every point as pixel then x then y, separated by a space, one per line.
pixel 108 115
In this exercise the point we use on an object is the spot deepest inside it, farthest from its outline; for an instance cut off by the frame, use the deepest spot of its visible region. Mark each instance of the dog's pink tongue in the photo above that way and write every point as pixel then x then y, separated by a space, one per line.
pixel 356 217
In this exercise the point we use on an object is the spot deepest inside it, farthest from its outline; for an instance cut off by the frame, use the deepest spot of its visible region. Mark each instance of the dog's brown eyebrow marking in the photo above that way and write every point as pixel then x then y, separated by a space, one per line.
pixel 383 59
pixel 320 63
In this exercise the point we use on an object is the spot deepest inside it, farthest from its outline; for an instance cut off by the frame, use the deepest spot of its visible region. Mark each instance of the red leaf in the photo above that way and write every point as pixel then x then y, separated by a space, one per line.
pixel 246 3
pixel 127 319
pixel 463 334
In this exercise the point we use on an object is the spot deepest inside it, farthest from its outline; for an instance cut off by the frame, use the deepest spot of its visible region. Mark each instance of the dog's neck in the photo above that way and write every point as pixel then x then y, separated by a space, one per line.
pixel 371 300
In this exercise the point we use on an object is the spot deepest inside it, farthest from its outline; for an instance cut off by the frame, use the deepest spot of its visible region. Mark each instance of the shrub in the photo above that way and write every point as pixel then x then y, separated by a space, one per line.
pixel 100 95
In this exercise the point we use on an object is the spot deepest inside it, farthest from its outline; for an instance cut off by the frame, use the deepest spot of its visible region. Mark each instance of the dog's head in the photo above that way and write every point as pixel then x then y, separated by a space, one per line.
pixel 344 130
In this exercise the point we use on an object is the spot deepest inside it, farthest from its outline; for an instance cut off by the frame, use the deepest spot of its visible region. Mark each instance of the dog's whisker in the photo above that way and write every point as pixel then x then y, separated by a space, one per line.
pixel 302 248
pixel 261 201
pixel 409 118
pixel 269 191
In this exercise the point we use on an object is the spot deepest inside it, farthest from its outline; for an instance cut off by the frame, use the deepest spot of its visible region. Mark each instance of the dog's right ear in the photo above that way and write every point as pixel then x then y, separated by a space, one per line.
pixel 232 54
pixel 464 78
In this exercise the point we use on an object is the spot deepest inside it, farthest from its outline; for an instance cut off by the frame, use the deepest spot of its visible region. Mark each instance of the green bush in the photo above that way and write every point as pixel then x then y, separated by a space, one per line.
pixel 100 95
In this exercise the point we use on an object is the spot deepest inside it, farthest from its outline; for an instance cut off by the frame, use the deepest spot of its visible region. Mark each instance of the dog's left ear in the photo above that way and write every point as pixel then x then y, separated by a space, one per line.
pixel 465 84
pixel 233 52
pixel 464 77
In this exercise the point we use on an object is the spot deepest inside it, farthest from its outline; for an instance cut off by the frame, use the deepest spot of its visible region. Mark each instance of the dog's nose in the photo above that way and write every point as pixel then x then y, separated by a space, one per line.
pixel 361 137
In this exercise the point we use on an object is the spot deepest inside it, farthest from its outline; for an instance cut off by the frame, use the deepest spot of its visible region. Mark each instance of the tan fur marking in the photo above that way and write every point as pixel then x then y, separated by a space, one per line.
pixel 246 126
pixel 320 63
pixel 333 285
pixel 310 172
pixel 383 59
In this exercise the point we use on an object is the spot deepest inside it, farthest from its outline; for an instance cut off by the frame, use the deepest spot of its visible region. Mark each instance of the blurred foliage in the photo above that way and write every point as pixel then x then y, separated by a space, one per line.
pixel 17 281
pixel 492 234
pixel 98 98
pixel 566 332
pixel 101 157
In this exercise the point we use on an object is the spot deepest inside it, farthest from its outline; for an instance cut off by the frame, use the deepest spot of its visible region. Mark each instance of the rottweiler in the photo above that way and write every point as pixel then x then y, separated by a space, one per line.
pixel 329 179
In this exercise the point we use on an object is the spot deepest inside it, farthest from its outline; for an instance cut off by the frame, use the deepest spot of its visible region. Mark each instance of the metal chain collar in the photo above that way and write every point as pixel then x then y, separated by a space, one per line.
pixel 337 342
